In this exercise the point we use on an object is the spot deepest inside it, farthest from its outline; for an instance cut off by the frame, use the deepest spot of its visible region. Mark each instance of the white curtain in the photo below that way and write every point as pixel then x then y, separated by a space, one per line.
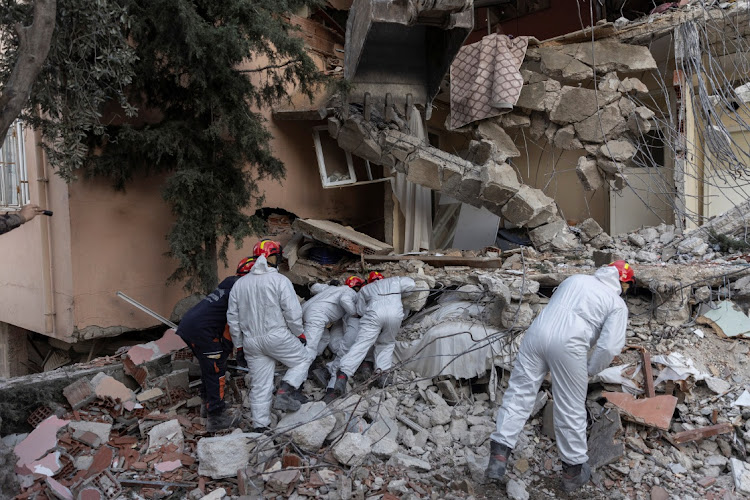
pixel 415 200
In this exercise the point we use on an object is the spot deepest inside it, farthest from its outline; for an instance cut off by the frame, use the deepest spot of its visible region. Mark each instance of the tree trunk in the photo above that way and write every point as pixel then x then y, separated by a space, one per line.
pixel 212 271
pixel 33 46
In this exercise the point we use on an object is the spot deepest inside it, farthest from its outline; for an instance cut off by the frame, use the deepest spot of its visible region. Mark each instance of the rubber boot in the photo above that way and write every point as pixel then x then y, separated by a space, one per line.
pixel 340 386
pixel 499 454
pixel 575 476
pixel 365 370
pixel 285 399
pixel 222 420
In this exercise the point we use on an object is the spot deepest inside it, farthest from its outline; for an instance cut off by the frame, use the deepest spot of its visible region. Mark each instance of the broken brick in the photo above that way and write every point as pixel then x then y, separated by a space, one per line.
pixel 652 412
pixel 102 461
pixel 58 490
pixel 79 394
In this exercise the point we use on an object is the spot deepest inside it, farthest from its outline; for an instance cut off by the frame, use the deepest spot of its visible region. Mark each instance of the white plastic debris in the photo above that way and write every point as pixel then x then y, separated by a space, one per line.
pixel 616 375
pixel 699 332
pixel 677 367
pixel 743 400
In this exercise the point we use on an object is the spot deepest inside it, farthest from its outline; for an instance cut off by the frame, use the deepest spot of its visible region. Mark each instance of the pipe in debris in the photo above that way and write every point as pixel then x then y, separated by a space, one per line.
pixel 147 310
pixel 47 266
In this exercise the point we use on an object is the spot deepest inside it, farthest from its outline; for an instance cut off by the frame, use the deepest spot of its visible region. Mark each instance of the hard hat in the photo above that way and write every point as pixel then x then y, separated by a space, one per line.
pixel 245 265
pixel 624 269
pixel 267 248
pixel 353 281
pixel 374 276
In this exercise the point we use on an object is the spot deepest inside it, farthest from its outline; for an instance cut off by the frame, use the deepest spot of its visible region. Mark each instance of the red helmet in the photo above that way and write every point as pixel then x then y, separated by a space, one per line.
pixel 267 248
pixel 245 265
pixel 624 269
pixel 354 281
pixel 374 276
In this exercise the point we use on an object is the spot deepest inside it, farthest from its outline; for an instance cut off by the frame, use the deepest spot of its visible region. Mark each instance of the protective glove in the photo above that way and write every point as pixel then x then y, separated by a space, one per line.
pixel 303 339
pixel 240 357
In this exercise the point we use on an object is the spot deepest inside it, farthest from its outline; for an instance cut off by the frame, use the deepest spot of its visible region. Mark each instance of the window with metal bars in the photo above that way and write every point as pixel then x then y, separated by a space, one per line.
pixel 14 184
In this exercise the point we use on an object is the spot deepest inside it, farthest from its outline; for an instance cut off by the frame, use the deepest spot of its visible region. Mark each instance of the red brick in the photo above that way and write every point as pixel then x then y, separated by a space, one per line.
pixel 79 393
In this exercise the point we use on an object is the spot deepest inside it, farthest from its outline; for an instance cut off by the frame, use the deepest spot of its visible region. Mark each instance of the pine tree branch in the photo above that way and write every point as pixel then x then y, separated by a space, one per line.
pixel 271 66
pixel 33 46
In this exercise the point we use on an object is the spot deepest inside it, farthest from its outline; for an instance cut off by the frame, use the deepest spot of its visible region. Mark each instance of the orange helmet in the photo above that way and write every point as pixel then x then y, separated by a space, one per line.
pixel 624 269
pixel 354 281
pixel 245 265
pixel 267 248
pixel 374 276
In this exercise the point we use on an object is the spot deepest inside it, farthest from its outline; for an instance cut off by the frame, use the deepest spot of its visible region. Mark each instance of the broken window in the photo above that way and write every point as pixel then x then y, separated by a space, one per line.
pixel 339 168
pixel 14 185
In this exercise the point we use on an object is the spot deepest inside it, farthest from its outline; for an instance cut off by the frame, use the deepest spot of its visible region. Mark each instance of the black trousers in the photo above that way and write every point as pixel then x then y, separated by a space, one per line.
pixel 212 355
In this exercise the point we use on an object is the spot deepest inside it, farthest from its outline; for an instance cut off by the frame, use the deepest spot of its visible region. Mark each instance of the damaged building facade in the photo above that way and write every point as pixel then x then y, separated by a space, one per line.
pixel 511 164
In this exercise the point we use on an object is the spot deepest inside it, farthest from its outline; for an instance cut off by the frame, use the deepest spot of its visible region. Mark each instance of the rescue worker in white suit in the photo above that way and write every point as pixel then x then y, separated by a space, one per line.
pixel 381 311
pixel 329 304
pixel 585 312
pixel 265 318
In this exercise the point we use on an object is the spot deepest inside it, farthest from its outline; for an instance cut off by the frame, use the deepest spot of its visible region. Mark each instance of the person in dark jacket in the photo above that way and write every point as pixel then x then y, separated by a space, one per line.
pixel 204 329
pixel 12 220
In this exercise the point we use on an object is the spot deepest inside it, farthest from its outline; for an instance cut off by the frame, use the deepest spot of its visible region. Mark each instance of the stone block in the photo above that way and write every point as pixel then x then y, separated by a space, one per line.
pixel 529 207
pixel 590 229
pixel 517 315
pixel 589 174
pixel 309 426
pixel 565 138
pixel 223 456
pixel 555 234
pixel 499 183
pixel 601 241
pixel 532 97
pixel 609 82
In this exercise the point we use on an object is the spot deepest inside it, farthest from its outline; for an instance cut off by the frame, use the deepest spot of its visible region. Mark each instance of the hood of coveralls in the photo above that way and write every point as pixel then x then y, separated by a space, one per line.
pixel 263 267
pixel 609 276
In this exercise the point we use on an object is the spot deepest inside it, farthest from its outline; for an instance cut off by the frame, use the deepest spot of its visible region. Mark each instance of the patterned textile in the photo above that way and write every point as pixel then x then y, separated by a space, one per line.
pixel 485 78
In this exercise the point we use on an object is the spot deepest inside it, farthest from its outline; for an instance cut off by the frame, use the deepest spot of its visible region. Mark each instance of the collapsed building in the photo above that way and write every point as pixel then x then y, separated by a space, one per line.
pixel 626 140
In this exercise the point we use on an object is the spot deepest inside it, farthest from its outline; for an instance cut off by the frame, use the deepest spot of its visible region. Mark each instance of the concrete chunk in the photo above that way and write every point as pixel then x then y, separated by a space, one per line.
pixel 619 150
pixel 352 448
pixel 588 173
pixel 499 183
pixel 554 235
pixel 403 461
pixel 741 475
pixel 492 131
pixel 603 125
pixel 558 64
pixel 611 55
pixel 576 104
pixel 223 456
pixel 529 207
pixel 309 426
pixel 590 229
pixel 423 169
pixel 169 432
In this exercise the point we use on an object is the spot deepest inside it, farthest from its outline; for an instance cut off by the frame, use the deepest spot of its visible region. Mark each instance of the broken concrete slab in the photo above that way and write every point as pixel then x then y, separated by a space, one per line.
pixel 493 132
pixel 352 448
pixel 611 55
pixel 576 104
pixel 108 387
pixel 529 207
pixel 618 150
pixel 652 412
pixel 565 138
pixel 223 456
pixel 560 65
pixel 403 461
pixel 150 394
pixel 39 441
pixel 342 237
pixel 49 465
pixel 555 235
pixel 603 125
pixel 604 443
pixel 101 429
pixel 423 169
pixel 727 319
pixel 169 432
pixel 309 426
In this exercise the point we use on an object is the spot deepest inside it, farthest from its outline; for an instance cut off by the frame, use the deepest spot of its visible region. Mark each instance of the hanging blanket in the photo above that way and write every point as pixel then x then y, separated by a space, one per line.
pixel 485 78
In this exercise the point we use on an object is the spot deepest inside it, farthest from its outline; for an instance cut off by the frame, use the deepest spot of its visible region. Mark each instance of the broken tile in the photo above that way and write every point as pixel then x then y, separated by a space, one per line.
pixel 106 386
pixel 169 466
pixel 102 461
pixel 47 466
pixel 88 438
pixel 653 412
pixel 165 433
pixel 58 490
pixel 39 441
pixel 170 342
pixel 727 320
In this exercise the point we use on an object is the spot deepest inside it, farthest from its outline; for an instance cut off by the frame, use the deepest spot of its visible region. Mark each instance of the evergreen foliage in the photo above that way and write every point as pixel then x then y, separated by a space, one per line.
pixel 156 86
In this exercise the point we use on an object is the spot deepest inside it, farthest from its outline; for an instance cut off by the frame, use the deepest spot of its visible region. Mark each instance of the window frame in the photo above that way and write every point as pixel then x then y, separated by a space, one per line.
pixel 16 138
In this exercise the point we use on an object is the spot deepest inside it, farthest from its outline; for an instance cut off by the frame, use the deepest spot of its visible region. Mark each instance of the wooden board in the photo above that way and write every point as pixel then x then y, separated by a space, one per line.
pixel 342 237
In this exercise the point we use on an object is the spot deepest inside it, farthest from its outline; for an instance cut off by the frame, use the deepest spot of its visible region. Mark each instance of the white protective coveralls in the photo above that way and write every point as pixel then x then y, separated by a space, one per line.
pixel 329 304
pixel 381 311
pixel 585 312
pixel 265 318
pixel 347 329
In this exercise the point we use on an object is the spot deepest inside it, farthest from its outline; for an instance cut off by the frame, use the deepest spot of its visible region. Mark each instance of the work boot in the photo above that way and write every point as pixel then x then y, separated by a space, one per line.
pixel 297 394
pixel 330 396
pixel 340 386
pixel 499 454
pixel 222 420
pixel 575 476
pixel 365 370
pixel 260 430
pixel 321 376
pixel 285 398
